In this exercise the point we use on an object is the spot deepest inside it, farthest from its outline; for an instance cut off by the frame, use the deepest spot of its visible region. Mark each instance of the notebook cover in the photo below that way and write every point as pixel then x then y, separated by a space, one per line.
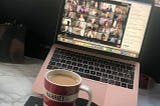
pixel 35 101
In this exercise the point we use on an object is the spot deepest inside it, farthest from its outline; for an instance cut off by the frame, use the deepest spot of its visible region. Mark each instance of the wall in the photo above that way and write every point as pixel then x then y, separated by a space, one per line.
pixel 150 62
pixel 39 17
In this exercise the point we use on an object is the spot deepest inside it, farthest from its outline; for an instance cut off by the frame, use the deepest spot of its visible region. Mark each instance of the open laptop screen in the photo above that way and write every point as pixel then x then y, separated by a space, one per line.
pixel 115 26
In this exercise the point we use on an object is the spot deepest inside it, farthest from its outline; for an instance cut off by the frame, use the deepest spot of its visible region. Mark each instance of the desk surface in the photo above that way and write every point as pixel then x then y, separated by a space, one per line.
pixel 16 81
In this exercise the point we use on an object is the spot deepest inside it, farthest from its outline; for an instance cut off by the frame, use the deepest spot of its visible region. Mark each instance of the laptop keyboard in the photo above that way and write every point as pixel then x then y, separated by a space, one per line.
pixel 95 68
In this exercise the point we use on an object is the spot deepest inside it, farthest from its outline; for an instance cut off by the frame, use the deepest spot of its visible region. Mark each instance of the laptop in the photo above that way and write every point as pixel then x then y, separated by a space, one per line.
pixel 100 40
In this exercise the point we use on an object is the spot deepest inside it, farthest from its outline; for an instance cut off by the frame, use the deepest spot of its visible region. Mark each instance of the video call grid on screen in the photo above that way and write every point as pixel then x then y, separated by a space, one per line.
pixel 97 21
pixel 116 26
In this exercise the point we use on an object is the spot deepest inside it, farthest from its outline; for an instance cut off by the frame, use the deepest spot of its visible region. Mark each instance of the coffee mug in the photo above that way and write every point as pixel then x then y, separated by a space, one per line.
pixel 61 88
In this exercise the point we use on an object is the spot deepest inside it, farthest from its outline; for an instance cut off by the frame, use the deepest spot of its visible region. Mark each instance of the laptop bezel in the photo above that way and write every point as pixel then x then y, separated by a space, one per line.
pixel 58 26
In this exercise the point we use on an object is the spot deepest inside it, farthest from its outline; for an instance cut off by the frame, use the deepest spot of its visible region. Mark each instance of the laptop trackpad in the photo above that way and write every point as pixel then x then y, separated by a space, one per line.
pixel 98 91
pixel 118 96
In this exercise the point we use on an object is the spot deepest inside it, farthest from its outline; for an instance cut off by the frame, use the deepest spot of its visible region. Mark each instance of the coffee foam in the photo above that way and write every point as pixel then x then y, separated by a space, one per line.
pixel 63 79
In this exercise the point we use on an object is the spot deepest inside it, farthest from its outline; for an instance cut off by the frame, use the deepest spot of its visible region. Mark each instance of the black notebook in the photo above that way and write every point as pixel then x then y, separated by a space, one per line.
pixel 35 101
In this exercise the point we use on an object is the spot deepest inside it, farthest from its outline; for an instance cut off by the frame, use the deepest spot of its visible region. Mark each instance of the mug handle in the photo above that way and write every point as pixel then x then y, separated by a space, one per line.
pixel 89 92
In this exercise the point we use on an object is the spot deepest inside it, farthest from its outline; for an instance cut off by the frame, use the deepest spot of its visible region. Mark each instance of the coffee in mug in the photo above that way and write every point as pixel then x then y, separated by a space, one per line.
pixel 61 88
pixel 63 79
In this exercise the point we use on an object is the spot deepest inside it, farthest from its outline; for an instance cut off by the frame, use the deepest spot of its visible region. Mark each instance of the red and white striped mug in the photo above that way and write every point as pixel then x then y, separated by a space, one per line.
pixel 61 88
